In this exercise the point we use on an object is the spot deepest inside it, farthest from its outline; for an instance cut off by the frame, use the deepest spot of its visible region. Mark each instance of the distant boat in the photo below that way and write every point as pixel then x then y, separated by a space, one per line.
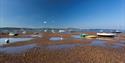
pixel 53 31
pixel 61 31
pixel 116 31
pixel 13 34
pixel 106 34
pixel 45 30
pixel 83 35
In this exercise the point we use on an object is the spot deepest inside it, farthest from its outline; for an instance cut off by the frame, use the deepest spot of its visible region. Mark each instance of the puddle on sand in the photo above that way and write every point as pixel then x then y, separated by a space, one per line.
pixel 33 36
pixel 122 42
pixel 98 43
pixel 103 38
pixel 56 38
pixel 76 36
pixel 17 49
pixel 63 46
pixel 104 44
pixel 11 40
pixel 118 45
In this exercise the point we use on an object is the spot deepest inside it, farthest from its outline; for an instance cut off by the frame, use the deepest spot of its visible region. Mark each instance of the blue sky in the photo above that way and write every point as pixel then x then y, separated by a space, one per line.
pixel 105 14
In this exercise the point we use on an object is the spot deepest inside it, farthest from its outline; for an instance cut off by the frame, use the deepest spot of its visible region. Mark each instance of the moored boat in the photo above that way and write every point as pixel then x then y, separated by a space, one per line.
pixel 106 34
pixel 83 35
pixel 116 31
pixel 91 36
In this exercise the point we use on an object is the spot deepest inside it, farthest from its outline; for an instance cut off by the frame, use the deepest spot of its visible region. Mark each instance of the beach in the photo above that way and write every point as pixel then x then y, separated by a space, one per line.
pixel 68 50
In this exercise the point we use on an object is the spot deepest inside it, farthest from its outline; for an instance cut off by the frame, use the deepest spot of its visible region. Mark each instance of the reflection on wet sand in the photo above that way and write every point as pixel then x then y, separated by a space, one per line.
pixel 12 40
pixel 17 49
pixel 63 46
pixel 55 38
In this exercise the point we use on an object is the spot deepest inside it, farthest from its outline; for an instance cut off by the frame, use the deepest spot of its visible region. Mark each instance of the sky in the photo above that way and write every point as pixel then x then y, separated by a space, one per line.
pixel 88 14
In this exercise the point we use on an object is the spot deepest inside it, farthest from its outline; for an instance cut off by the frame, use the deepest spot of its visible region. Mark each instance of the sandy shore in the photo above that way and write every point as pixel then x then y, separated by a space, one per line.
pixel 47 51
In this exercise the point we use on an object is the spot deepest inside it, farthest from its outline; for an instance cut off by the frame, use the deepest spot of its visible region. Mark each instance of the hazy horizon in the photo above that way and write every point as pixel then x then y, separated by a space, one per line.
pixel 86 14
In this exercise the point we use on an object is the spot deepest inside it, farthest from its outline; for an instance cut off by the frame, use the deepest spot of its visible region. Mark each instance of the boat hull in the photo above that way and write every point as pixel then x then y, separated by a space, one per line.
pixel 106 35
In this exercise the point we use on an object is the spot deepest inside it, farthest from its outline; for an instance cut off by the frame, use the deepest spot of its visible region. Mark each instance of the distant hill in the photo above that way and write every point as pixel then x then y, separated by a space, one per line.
pixel 13 29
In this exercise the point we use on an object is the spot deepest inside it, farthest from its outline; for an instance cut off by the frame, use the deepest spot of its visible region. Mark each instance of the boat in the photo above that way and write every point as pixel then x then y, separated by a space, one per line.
pixel 106 34
pixel 61 31
pixel 53 31
pixel 83 35
pixel 13 34
pixel 45 30
pixel 91 36
pixel 7 40
pixel 116 31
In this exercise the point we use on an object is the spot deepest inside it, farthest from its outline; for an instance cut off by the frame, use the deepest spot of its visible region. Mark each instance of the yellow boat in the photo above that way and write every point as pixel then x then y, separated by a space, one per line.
pixel 91 36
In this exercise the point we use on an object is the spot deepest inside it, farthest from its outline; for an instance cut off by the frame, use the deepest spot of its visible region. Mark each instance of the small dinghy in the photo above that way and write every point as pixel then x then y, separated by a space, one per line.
pixel 83 35
pixel 106 34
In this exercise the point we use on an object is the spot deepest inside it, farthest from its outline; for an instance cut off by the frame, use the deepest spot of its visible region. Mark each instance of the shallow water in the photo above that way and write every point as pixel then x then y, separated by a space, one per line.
pixel 93 43
pixel 76 36
pixel 98 43
pixel 56 38
pixel 63 46
pixel 104 38
pixel 17 49
pixel 122 42
pixel 34 36
pixel 118 45
pixel 11 40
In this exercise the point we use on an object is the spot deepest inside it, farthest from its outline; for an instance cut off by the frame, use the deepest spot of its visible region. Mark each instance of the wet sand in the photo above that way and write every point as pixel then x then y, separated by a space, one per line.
pixel 68 50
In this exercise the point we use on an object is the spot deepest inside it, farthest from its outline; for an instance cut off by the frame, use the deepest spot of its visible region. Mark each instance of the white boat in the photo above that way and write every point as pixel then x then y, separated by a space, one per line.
pixel 11 34
pixel 106 34
pixel 116 31
pixel 53 31
pixel 45 30
pixel 61 31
